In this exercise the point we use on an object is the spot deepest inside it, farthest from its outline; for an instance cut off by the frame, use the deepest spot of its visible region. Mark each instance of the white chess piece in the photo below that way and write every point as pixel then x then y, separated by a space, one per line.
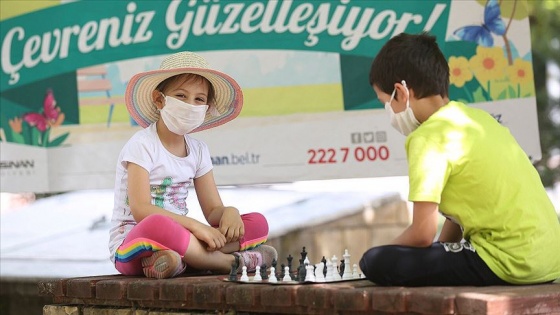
pixel 306 261
pixel 244 276
pixel 309 275
pixel 287 274
pixel 272 277
pixel 319 276
pixel 336 275
pixel 355 274
pixel 347 274
pixel 257 276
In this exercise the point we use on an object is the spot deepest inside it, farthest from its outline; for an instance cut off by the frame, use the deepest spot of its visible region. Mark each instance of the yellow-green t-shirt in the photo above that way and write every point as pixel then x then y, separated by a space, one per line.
pixel 464 160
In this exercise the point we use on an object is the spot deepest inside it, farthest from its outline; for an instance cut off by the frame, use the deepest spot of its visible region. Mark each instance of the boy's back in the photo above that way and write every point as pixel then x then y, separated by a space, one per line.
pixel 463 159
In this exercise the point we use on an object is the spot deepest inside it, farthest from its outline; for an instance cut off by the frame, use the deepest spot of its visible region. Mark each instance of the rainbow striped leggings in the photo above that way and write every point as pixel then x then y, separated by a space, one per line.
pixel 158 232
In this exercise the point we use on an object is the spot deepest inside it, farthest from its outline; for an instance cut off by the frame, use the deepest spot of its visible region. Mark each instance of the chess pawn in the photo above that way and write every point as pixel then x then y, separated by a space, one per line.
pixel 272 278
pixel 257 276
pixel 355 273
pixel 287 274
pixel 309 276
pixel 347 272
pixel 336 275
pixel 319 276
pixel 244 276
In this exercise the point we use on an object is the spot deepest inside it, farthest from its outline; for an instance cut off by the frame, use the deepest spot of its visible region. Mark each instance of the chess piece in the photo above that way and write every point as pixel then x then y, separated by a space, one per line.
pixel 336 275
pixel 303 254
pixel 301 273
pixel 233 272
pixel 324 261
pixel 264 273
pixel 290 258
pixel 355 274
pixel 272 278
pixel 257 276
pixel 282 271
pixel 309 275
pixel 287 274
pixel 346 273
pixel 329 277
pixel 319 276
pixel 244 276
pixel 341 267
pixel 274 263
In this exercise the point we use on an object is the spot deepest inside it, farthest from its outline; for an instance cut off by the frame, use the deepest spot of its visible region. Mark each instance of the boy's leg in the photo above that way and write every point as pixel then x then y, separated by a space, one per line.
pixel 449 264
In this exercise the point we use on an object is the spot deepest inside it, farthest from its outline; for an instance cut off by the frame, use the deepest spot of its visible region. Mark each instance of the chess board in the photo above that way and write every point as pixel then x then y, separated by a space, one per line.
pixel 280 282
pixel 328 270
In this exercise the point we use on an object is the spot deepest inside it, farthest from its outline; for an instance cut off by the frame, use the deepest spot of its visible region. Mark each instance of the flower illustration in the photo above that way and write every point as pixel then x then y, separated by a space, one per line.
pixel 489 63
pixel 521 72
pixel 459 72
pixel 15 124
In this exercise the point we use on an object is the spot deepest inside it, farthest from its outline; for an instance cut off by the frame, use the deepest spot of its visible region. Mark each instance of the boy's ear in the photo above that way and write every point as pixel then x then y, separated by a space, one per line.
pixel 401 95
pixel 157 99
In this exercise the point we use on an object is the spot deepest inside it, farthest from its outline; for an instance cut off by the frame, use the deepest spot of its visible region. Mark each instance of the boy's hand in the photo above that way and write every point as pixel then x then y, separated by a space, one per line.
pixel 231 226
pixel 211 236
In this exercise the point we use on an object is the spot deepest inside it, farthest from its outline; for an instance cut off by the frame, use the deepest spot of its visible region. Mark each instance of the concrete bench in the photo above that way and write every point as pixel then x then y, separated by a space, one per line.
pixel 208 294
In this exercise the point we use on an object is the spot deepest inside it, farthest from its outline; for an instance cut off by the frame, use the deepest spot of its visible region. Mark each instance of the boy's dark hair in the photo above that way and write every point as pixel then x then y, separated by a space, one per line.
pixel 416 59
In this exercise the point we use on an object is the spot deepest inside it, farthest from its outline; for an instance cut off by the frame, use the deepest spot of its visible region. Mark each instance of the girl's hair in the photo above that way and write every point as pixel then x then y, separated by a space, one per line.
pixel 184 78
pixel 416 59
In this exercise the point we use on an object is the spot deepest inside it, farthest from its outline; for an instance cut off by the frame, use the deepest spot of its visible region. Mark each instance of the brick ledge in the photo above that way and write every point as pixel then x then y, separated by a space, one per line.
pixel 210 293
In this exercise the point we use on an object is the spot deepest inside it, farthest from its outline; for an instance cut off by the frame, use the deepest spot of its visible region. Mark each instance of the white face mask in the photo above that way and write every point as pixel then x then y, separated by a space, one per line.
pixel 180 117
pixel 404 121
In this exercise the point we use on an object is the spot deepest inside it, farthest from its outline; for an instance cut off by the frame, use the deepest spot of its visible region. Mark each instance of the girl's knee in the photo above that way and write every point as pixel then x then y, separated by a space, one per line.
pixel 155 219
pixel 256 222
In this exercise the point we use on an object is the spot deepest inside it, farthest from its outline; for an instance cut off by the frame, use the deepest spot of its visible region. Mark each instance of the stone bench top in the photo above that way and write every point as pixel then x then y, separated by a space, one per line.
pixel 211 293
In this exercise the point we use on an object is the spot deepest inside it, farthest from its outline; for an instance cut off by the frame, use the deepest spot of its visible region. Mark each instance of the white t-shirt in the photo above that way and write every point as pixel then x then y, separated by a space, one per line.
pixel 170 177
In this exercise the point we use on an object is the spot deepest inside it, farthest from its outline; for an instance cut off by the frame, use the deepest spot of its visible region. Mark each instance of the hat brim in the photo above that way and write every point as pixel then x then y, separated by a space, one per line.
pixel 138 96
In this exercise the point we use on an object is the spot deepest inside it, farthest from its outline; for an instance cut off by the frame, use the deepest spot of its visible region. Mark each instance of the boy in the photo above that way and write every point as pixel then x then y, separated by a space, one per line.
pixel 501 227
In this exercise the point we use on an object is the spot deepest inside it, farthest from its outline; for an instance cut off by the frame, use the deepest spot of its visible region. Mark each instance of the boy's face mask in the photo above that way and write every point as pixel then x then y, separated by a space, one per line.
pixel 180 117
pixel 404 121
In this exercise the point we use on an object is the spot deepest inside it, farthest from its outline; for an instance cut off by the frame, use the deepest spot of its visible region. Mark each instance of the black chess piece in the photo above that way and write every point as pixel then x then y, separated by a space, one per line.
pixel 302 272
pixel 233 272
pixel 282 273
pixel 324 261
pixel 303 254
pixel 341 267
pixel 264 272
pixel 274 262
pixel 290 258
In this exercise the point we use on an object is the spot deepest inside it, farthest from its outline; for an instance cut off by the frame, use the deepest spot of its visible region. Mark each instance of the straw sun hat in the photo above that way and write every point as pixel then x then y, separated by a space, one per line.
pixel 228 94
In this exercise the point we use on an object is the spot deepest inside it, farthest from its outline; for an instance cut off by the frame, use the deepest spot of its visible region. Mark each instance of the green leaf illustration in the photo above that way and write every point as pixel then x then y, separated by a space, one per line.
pixel 478 95
pixel 58 141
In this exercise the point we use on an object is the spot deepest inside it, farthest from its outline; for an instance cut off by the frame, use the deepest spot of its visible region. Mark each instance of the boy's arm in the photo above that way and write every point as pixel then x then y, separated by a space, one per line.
pixel 422 231
pixel 450 232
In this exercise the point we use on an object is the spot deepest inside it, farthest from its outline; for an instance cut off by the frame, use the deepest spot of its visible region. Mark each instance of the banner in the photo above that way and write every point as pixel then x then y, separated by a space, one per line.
pixel 309 112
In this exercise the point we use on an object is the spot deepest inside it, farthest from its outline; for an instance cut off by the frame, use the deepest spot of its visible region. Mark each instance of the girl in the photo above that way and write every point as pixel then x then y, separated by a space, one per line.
pixel 151 232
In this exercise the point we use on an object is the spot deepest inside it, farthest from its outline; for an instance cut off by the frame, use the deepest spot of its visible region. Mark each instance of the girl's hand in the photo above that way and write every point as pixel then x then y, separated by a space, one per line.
pixel 231 226
pixel 211 236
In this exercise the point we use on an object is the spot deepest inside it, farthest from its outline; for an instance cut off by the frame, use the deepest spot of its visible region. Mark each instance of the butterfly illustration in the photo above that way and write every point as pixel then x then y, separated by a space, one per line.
pixel 482 34
pixel 49 115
